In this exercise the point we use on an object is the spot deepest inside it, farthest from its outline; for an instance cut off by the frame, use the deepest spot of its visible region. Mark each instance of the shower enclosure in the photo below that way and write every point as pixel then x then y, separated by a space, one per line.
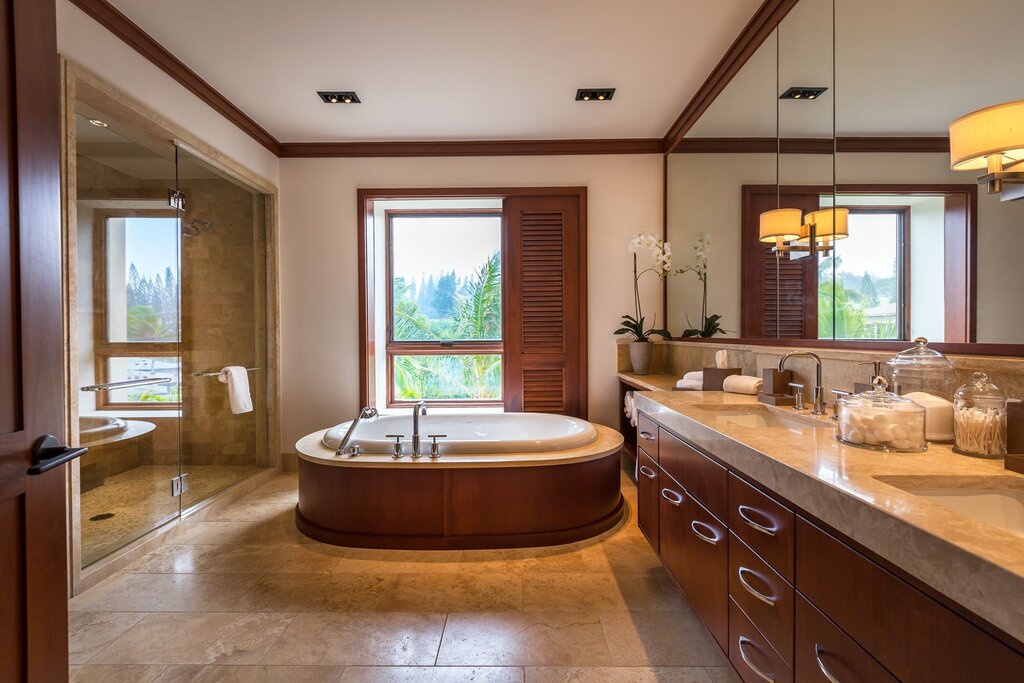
pixel 169 277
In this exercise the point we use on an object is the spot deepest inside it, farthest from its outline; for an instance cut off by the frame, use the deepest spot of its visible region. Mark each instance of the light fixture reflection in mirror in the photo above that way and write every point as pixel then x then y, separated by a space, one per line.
pixel 991 139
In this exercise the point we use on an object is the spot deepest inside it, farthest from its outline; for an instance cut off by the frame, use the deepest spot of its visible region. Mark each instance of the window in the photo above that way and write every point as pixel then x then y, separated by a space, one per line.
pixel 444 333
pixel 136 323
pixel 863 284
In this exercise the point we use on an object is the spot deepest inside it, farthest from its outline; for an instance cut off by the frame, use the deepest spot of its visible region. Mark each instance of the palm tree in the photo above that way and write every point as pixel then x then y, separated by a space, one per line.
pixel 840 315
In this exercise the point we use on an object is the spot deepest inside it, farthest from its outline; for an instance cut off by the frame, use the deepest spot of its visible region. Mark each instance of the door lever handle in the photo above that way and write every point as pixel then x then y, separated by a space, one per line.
pixel 47 453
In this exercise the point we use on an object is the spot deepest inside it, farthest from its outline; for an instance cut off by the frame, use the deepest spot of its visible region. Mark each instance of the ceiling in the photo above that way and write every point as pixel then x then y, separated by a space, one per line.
pixel 905 68
pixel 450 69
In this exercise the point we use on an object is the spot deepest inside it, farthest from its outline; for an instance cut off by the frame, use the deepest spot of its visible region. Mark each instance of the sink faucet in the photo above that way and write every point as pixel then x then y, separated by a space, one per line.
pixel 817 394
pixel 364 414
pixel 420 409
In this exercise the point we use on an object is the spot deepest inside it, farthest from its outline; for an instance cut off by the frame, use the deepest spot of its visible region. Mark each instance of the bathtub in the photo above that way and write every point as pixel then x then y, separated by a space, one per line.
pixel 502 480
pixel 469 433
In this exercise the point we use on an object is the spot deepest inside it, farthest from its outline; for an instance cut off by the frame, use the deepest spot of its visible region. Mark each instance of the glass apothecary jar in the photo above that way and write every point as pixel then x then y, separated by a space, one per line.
pixel 921 368
pixel 979 418
pixel 881 420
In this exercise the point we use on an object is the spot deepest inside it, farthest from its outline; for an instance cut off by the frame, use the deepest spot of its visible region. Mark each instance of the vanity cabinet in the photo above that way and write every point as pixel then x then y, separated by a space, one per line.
pixel 787 600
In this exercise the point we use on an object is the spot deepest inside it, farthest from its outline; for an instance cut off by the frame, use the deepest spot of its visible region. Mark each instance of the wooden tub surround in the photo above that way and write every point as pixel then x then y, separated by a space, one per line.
pixel 499 500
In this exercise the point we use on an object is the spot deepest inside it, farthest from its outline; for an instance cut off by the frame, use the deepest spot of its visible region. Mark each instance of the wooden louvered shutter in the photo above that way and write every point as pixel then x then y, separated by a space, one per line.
pixel 545 304
pixel 797 291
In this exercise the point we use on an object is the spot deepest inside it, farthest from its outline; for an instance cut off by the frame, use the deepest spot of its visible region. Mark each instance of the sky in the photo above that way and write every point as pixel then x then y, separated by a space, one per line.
pixel 871 246
pixel 152 245
pixel 423 246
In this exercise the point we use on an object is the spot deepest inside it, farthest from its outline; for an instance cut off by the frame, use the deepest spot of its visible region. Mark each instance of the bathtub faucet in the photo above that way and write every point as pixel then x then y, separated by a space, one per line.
pixel 420 409
pixel 343 449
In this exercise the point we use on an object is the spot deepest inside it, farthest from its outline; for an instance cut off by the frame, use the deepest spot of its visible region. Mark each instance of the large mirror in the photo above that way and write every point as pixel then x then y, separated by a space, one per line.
pixel 904 246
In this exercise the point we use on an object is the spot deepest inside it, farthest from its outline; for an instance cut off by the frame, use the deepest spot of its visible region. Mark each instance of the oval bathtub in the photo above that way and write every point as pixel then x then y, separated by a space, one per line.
pixel 502 481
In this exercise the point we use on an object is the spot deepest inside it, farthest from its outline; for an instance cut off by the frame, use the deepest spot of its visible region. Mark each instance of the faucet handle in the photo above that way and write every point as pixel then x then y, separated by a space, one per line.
pixel 435 449
pixel 398 444
pixel 798 395
pixel 838 393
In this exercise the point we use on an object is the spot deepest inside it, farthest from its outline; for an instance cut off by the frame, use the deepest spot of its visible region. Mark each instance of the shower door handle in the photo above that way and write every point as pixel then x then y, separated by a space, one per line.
pixel 47 453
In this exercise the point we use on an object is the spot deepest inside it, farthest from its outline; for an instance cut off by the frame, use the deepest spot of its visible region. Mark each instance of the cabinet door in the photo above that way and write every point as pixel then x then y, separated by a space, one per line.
pixel 706 569
pixel 648 495
pixel 673 526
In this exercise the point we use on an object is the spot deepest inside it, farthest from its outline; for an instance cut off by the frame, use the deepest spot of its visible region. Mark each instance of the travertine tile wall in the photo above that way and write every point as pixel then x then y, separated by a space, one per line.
pixel 840 369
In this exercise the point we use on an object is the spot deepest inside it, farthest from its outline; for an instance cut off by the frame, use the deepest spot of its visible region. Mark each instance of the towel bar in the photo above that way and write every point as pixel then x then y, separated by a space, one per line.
pixel 218 373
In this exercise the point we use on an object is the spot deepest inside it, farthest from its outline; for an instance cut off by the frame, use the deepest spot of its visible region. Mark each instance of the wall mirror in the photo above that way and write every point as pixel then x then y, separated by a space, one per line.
pixel 905 246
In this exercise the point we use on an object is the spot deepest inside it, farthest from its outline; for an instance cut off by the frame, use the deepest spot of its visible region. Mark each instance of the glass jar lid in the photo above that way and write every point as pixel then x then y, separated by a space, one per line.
pixel 880 397
pixel 920 356
pixel 979 389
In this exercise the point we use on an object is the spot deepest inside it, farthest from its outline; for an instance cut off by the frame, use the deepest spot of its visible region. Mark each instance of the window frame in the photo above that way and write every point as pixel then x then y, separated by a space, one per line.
pixel 103 348
pixel 394 348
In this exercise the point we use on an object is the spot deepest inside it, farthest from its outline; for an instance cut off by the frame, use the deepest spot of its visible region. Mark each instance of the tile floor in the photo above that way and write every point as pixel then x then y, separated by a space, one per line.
pixel 243 596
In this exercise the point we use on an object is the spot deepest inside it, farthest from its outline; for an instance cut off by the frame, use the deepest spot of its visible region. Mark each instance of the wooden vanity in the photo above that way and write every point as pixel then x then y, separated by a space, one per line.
pixel 787 597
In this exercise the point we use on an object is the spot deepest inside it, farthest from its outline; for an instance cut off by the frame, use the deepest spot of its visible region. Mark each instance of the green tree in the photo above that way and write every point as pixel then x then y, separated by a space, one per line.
pixel 840 315
pixel 868 291
pixel 444 299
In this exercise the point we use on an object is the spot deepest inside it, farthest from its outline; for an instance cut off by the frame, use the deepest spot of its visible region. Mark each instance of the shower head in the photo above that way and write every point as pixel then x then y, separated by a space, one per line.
pixel 196 227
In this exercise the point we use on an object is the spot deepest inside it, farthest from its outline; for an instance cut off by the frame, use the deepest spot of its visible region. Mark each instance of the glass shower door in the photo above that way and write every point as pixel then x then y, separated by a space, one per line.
pixel 223 323
pixel 128 366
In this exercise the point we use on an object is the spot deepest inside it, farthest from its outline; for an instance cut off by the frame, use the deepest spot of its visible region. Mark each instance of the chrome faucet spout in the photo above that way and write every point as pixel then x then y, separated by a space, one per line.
pixel 420 409
pixel 817 394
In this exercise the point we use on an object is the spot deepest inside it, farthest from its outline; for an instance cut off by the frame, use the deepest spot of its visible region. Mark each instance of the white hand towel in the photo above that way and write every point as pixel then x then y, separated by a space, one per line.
pixel 743 384
pixel 690 385
pixel 237 379
pixel 695 376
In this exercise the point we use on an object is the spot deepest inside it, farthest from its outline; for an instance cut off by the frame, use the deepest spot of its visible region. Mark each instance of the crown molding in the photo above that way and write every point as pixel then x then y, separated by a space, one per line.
pixel 865 144
pixel 471 148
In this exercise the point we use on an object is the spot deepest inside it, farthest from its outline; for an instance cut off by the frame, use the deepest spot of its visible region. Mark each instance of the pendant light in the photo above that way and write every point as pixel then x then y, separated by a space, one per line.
pixel 992 140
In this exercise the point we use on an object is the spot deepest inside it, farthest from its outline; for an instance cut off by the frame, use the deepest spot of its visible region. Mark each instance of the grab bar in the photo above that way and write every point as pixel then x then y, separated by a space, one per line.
pixel 218 373
pixel 111 386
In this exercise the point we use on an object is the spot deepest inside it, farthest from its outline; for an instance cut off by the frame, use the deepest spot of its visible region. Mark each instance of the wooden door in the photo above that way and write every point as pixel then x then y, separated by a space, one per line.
pixel 33 558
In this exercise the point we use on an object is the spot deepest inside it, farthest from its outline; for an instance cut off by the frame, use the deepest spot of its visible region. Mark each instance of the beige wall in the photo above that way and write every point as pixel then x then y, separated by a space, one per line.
pixel 704 196
pixel 82 40
pixel 319 279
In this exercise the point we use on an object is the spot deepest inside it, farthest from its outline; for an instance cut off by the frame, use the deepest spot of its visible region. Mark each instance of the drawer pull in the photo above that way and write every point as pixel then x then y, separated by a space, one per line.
pixel 671 496
pixel 745 516
pixel 648 472
pixel 753 591
pixel 647 435
pixel 746 660
pixel 818 652
pixel 712 539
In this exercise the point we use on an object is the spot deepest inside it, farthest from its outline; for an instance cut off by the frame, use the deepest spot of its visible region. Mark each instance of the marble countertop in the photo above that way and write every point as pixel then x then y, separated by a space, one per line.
pixel 653 382
pixel 854 490
pixel 311 448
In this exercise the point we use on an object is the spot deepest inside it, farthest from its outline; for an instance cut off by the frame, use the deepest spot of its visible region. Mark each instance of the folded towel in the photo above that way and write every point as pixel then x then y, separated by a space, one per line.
pixel 237 379
pixel 690 385
pixel 743 384
pixel 695 376
pixel 629 408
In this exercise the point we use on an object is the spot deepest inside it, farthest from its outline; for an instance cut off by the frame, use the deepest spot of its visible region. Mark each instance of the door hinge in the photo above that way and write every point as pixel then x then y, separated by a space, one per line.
pixel 179 485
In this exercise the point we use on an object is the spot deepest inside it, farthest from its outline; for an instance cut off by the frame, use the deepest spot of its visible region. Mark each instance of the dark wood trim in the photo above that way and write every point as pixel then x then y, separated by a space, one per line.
pixel 469 148
pixel 956 349
pixel 757 30
pixel 115 21
pixel 873 145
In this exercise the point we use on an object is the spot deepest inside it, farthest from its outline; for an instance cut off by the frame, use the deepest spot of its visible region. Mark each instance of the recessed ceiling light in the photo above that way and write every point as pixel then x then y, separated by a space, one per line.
pixel 803 93
pixel 594 94
pixel 338 96
pixel 98 123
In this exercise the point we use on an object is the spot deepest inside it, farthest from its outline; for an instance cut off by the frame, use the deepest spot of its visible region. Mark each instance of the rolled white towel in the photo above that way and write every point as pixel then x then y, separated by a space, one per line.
pixel 237 379
pixel 690 385
pixel 695 376
pixel 743 384
pixel 629 408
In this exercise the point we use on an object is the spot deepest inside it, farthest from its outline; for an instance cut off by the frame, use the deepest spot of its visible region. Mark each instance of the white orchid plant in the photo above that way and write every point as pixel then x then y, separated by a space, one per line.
pixel 661 254
pixel 709 324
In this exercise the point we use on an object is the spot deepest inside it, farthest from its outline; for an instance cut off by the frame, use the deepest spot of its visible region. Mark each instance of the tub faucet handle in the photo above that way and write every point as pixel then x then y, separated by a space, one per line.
pixel 398 444
pixel 435 449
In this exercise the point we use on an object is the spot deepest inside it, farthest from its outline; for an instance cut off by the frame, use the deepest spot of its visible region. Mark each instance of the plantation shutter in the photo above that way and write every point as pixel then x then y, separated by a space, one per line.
pixel 545 304
pixel 796 295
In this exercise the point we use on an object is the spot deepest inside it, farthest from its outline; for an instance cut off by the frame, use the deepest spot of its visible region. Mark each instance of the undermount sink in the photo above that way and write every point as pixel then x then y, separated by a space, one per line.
pixel 997 501
pixel 758 417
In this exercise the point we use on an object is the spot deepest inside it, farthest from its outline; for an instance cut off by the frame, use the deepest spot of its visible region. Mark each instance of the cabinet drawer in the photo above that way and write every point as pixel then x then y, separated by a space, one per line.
pixel 703 478
pixel 909 633
pixel 763 595
pixel 647 435
pixel 648 494
pixel 751 655
pixel 765 525
pixel 672 526
pixel 825 654
pixel 706 569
